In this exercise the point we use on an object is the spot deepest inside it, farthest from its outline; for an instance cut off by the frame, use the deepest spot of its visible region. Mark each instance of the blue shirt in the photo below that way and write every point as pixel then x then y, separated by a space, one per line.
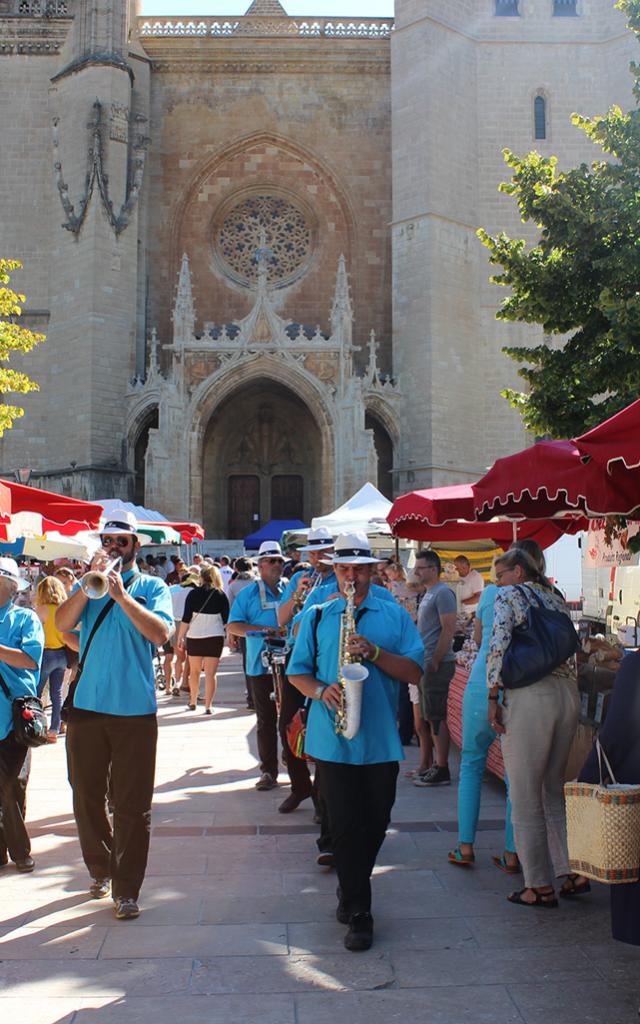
pixel 20 628
pixel 383 623
pixel 247 607
pixel 484 612
pixel 117 678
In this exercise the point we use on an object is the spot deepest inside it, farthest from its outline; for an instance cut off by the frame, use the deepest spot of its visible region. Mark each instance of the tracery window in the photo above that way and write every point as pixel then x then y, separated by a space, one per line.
pixel 43 8
pixel 507 8
pixel 267 224
pixel 565 8
pixel 540 117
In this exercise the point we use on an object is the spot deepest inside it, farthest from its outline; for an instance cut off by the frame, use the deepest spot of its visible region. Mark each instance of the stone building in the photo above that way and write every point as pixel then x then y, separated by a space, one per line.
pixel 251 241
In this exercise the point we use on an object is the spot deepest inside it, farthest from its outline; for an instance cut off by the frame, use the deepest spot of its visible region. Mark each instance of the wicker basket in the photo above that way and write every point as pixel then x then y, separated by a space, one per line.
pixel 603 829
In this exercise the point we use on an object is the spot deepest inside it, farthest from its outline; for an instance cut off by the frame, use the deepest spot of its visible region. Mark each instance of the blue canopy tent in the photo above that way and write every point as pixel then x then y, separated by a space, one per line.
pixel 272 531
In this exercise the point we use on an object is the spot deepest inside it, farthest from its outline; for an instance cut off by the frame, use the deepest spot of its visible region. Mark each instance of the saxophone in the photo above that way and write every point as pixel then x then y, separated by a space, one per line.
pixel 351 674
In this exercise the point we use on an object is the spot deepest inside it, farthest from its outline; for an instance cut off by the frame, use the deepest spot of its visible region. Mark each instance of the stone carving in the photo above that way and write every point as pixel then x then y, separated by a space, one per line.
pixel 43 8
pixel 259 222
pixel 119 123
pixel 97 176
pixel 367 28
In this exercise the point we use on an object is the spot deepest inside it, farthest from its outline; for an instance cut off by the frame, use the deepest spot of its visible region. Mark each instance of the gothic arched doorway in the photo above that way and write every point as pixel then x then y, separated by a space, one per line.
pixel 384 451
pixel 262 460
pixel 150 422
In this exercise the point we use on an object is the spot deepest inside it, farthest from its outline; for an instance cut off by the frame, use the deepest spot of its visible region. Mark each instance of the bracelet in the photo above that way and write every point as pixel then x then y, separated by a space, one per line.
pixel 317 693
pixel 493 698
pixel 376 653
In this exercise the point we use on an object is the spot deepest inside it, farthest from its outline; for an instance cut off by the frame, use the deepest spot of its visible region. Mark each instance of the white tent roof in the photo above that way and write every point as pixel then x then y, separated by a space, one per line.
pixel 365 512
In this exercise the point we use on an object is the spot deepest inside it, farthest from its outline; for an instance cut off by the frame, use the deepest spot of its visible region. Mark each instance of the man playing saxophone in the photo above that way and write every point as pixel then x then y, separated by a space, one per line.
pixel 358 774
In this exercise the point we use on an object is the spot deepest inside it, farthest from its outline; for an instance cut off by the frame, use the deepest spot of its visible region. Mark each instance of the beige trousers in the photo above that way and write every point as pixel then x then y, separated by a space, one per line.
pixel 540 722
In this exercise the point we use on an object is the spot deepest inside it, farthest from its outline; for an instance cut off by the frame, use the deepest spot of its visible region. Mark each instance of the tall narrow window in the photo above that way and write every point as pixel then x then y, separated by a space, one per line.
pixel 507 8
pixel 565 8
pixel 540 117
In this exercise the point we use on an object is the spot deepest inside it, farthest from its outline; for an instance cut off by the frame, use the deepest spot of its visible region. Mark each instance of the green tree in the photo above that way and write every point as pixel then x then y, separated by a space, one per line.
pixel 582 277
pixel 13 338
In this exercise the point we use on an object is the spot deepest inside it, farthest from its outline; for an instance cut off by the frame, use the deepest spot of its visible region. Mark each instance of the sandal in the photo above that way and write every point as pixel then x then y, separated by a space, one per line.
pixel 542 899
pixel 462 860
pixel 573 889
pixel 503 864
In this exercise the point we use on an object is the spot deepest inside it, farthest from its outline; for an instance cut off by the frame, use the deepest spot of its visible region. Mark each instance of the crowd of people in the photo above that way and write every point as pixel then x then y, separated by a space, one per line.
pixel 330 605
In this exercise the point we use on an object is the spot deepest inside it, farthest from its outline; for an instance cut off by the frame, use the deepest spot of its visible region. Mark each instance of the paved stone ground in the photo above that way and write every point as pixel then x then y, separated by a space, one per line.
pixel 238 922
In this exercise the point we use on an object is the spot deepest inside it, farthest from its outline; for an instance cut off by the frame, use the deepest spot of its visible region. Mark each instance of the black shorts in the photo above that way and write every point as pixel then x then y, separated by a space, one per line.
pixel 205 647
pixel 167 648
pixel 434 692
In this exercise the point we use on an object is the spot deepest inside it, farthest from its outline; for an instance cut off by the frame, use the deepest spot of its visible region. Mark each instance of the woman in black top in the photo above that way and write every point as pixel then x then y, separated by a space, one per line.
pixel 201 632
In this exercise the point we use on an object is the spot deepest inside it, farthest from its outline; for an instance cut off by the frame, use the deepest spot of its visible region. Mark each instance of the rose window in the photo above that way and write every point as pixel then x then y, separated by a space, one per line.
pixel 268 224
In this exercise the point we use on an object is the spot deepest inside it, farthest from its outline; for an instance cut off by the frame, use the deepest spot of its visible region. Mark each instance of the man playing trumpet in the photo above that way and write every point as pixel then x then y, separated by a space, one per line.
pixel 357 775
pixel 112 728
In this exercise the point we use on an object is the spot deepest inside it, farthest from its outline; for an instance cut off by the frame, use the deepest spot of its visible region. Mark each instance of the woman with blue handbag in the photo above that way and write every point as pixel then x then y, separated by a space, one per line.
pixel 531 639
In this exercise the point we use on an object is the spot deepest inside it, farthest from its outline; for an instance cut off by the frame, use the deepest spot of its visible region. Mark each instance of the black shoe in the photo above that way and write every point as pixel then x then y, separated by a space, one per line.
pixel 292 801
pixel 99 888
pixel 191 707
pixel 360 934
pixel 126 908
pixel 208 711
pixel 325 859
pixel 435 776
pixel 26 865
pixel 342 914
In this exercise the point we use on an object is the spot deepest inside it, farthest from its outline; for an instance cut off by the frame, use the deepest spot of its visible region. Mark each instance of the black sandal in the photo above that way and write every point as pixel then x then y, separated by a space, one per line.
pixel 542 899
pixel 574 890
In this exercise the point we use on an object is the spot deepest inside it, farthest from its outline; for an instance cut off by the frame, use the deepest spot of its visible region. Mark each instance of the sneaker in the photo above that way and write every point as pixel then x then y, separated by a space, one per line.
pixel 25 865
pixel 99 888
pixel 126 908
pixel 360 934
pixel 436 776
pixel 266 781
pixel 326 860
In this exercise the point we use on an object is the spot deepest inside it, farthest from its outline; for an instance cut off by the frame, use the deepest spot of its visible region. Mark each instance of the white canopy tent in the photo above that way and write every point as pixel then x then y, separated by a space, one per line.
pixel 366 512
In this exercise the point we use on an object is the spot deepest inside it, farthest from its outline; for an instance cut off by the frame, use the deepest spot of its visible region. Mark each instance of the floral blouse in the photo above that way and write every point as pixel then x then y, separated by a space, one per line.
pixel 510 610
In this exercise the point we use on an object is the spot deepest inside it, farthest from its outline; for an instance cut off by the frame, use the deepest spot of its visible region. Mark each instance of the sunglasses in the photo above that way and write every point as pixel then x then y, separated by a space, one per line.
pixel 121 542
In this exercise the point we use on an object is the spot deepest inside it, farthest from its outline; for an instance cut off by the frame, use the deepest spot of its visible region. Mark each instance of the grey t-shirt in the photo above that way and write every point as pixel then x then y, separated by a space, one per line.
pixel 440 600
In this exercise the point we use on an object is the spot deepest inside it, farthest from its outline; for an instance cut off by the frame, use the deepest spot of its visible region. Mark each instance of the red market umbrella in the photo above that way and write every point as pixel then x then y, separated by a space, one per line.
pixel 553 478
pixel 188 531
pixel 59 513
pixel 445 515
pixel 615 443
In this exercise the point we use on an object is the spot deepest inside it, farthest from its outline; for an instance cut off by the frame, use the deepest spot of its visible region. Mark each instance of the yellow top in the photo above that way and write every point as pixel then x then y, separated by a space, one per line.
pixel 53 638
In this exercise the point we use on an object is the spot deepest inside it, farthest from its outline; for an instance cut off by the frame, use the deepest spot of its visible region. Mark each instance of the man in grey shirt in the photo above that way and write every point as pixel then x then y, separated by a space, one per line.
pixel 436 623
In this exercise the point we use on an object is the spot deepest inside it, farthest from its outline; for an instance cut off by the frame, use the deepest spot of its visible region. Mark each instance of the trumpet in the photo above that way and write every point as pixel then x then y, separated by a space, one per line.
pixel 95 584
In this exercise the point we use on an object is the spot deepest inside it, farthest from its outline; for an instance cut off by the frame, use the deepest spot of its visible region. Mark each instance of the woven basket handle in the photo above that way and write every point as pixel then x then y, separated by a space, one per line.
pixel 602 756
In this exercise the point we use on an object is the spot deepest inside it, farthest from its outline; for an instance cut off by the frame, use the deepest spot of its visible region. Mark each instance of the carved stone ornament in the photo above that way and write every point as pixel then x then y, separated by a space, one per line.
pixel 97 176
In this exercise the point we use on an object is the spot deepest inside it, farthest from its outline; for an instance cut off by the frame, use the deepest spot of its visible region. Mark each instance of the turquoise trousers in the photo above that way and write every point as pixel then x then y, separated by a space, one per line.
pixel 477 737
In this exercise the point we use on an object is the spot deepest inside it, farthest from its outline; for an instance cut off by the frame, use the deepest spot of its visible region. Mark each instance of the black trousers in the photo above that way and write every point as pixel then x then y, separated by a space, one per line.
pixel 298 768
pixel 359 801
pixel 261 688
pixel 114 753
pixel 14 775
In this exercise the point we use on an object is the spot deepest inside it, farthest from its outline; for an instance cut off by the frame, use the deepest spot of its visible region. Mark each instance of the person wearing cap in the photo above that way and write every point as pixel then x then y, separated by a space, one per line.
pixel 255 608
pixel 112 727
pixel 357 776
pixel 21 647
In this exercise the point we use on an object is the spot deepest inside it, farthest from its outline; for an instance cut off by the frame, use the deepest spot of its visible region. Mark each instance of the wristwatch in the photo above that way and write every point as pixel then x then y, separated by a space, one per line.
pixel 317 693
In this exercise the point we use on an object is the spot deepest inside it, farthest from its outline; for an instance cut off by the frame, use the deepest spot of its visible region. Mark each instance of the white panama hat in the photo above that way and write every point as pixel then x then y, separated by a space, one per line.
pixel 121 522
pixel 10 571
pixel 318 540
pixel 270 549
pixel 353 549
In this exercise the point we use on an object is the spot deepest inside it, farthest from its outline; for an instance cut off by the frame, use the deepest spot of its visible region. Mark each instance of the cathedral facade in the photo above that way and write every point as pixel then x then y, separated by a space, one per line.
pixel 251 241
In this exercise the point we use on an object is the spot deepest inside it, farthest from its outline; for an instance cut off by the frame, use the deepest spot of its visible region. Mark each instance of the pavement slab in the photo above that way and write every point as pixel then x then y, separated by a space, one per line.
pixel 238 921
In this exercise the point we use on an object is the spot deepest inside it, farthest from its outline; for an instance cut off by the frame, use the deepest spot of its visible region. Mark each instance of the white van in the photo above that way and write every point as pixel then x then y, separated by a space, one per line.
pixel 625 606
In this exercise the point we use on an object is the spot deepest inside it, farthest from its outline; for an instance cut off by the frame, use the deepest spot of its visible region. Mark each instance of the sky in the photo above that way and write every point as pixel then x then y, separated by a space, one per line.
pixel 296 8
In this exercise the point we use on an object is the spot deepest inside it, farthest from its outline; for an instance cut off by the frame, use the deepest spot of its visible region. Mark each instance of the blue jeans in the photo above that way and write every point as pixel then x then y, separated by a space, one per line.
pixel 477 737
pixel 54 666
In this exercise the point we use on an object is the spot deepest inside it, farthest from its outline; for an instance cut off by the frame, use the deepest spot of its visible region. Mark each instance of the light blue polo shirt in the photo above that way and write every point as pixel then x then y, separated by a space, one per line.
pixel 20 628
pixel 325 589
pixel 247 607
pixel 383 623
pixel 118 678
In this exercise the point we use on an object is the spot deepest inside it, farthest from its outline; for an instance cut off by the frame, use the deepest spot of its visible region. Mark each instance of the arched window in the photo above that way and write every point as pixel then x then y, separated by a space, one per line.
pixel 139 453
pixel 565 8
pixel 540 117
pixel 507 8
